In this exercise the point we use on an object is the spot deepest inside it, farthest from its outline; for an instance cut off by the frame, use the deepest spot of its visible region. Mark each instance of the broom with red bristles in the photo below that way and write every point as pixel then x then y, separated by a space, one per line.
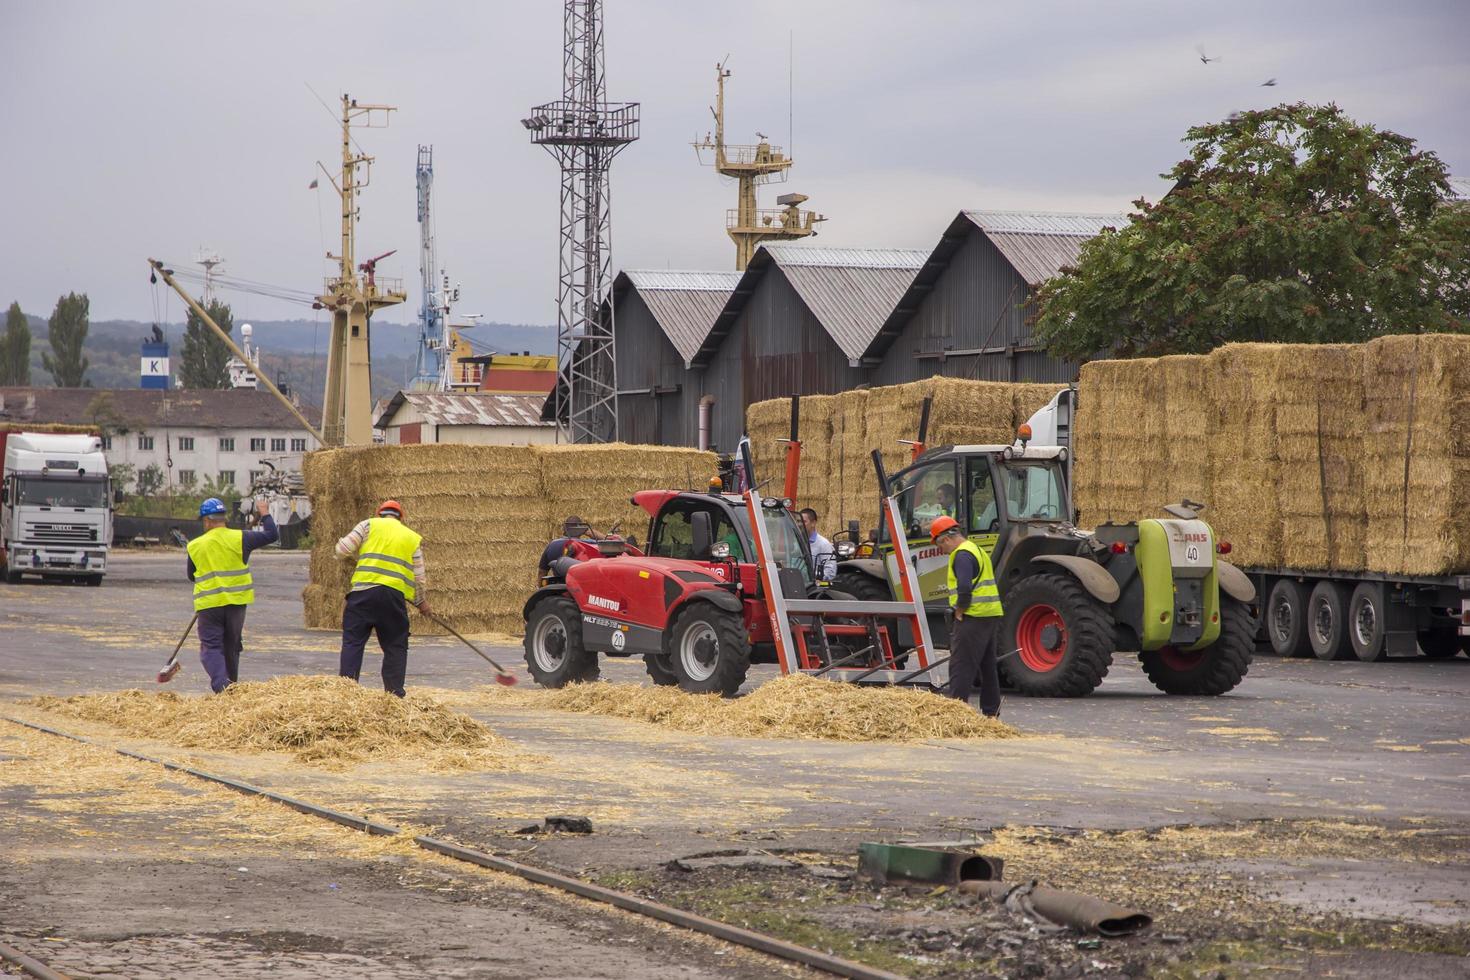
pixel 502 676
pixel 173 666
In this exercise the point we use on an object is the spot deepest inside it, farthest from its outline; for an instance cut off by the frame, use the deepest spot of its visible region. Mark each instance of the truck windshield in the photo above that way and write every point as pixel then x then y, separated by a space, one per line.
pixel 1034 491
pixel 63 493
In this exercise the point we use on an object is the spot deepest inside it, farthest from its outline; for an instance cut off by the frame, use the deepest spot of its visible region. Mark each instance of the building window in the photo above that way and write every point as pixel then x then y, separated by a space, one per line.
pixel 227 478
pixel 298 445
pixel 145 442
pixel 255 476
pixel 107 443
pixel 186 444
pixel 257 445
pixel 278 445
pixel 186 478
pixel 227 444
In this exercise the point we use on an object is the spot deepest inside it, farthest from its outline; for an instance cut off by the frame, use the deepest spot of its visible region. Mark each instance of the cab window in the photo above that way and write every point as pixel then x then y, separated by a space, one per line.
pixel 1034 491
pixel 927 492
pixel 980 489
pixel 673 537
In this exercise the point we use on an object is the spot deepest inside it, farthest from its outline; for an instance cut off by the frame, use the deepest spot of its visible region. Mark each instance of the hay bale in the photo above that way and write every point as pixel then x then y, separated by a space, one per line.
pixel 330 722
pixel 1032 398
pixel 1118 437
pixel 1244 465
pixel 852 487
pixel 795 706
pixel 597 483
pixel 1319 433
pixel 768 422
pixel 1417 454
pixel 1183 381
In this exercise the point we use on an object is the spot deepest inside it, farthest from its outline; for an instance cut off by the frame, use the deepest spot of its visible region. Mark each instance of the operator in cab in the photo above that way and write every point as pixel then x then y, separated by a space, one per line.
pixel 219 567
pixel 824 556
pixel 388 575
pixel 975 600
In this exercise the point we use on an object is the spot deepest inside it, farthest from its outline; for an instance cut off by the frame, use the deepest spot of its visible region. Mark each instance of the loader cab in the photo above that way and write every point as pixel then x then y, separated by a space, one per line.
pixel 673 534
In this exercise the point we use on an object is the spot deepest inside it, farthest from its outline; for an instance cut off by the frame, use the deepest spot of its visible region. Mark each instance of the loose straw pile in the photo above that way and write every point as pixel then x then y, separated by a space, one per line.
pixel 330 722
pixel 796 706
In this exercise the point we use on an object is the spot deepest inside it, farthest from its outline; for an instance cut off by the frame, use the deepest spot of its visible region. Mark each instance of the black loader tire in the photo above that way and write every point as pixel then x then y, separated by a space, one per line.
pixel 1213 670
pixel 659 669
pixel 863 587
pixel 1285 618
pixel 709 650
pixel 1326 625
pixel 572 663
pixel 1440 644
pixel 1087 644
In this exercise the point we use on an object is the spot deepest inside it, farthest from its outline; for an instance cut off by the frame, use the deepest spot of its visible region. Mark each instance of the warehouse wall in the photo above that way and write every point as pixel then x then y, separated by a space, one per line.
pixel 976 301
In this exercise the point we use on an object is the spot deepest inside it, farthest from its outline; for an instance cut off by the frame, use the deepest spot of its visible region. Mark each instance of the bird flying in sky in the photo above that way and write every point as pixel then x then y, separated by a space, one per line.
pixel 1204 58
pixel 1268 83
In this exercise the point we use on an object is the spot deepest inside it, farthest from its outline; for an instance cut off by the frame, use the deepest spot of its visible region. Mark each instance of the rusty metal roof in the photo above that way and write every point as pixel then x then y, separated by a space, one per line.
pixel 685 303
pixel 1039 244
pixel 468 408
pixel 140 408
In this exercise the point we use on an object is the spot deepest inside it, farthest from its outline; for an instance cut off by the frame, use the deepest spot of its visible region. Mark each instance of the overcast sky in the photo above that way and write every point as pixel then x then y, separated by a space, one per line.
pixel 136 129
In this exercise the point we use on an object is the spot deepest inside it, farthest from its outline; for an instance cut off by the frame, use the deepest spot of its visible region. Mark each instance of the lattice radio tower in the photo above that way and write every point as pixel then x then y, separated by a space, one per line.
pixel 584 132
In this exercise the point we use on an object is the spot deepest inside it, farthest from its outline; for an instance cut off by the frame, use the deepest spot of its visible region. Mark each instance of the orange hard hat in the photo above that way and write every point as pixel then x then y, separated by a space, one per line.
pixel 940 525
pixel 391 505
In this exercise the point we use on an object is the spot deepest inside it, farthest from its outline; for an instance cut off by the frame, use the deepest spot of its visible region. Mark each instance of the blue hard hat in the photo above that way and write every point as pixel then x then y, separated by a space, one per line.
pixel 211 507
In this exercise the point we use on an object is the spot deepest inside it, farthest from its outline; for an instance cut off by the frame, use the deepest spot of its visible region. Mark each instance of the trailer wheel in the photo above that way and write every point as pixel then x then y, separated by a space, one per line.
pixel 709 650
pixel 660 669
pixel 1212 670
pixel 554 651
pixel 1440 644
pixel 1367 617
pixel 1062 638
pixel 1327 621
pixel 1286 619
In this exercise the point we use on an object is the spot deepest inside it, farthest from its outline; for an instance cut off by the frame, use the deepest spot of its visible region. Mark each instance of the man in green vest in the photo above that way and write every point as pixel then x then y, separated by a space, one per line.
pixel 219 567
pixel 975 599
pixel 389 574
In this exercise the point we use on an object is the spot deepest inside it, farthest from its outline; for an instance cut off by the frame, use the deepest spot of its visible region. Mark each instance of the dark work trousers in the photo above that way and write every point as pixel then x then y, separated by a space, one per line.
pixel 972 651
pixel 220 628
pixel 384 609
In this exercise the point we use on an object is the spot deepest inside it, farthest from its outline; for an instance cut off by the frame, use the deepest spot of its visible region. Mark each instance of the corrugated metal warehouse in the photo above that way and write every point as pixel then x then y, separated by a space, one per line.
pixel 975 295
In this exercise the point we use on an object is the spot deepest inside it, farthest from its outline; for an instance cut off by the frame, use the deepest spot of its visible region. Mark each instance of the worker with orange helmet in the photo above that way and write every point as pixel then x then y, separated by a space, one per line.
pixel 389 574
pixel 974 598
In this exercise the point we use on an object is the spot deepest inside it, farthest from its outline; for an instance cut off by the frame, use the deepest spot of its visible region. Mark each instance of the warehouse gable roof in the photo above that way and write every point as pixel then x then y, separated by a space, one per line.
pixel 468 408
pixel 1037 244
pixel 849 290
pixel 685 303
pixel 144 408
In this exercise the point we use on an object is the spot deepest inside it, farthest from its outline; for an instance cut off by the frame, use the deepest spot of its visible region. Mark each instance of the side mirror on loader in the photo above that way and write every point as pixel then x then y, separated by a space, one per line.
pixel 702 536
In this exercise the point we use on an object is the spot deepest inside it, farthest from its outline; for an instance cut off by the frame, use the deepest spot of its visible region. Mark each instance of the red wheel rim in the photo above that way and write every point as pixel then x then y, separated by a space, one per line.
pixel 1033 624
pixel 1177 659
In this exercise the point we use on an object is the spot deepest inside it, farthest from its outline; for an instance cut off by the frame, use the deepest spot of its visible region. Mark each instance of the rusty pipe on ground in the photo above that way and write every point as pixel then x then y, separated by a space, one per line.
pixel 1081 912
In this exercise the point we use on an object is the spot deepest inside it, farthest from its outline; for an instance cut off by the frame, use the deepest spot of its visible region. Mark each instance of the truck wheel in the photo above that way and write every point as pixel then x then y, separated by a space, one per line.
pixel 554 652
pixel 1366 619
pixel 863 587
pixel 1327 621
pixel 12 576
pixel 1286 619
pixel 94 580
pixel 1062 638
pixel 709 650
pixel 1439 644
pixel 660 670
pixel 1212 670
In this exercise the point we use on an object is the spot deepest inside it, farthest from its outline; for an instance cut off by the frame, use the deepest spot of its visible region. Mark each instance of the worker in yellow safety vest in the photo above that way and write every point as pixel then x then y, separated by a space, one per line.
pixel 975 599
pixel 389 575
pixel 219 567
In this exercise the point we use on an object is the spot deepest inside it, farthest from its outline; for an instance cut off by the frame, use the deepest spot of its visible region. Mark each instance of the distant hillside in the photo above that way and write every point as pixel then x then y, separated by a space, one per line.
pixel 293 351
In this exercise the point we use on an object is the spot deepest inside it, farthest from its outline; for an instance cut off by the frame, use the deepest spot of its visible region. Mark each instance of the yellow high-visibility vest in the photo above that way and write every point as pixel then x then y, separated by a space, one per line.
pixel 221 576
pixel 386 557
pixel 984 594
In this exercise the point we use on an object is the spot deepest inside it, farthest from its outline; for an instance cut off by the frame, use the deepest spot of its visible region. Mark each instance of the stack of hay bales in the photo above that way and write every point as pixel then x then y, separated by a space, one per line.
pixel 852 488
pixel 969 412
pixel 485 514
pixel 1240 446
pixel 1119 417
pixel 1416 454
pixel 767 423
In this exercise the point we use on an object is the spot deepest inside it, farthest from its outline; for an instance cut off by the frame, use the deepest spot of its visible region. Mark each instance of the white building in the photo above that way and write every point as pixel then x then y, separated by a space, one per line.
pixel 194 437
pixel 479 418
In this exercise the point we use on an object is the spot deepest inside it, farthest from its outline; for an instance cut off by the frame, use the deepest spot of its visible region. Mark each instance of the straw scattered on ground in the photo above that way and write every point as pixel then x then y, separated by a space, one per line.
pixel 329 722
pixel 795 706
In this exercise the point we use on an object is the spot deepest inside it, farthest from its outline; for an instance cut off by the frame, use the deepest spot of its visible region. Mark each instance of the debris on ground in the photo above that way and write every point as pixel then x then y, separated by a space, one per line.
pixel 332 722
pixel 559 825
pixel 795 706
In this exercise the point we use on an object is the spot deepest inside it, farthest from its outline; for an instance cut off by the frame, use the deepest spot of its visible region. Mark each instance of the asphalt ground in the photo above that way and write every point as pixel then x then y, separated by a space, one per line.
pixel 1328 750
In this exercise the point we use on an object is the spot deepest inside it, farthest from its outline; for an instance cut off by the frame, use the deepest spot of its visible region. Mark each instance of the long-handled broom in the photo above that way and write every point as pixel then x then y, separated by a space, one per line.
pixel 173 666
pixel 502 676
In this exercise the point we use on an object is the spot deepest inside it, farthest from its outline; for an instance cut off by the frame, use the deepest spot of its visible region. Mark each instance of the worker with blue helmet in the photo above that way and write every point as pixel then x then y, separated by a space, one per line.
pixel 219 567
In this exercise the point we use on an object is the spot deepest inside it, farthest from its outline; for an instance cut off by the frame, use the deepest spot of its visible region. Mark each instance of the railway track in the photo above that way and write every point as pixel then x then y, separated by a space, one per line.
pixel 770 945
pixel 32 966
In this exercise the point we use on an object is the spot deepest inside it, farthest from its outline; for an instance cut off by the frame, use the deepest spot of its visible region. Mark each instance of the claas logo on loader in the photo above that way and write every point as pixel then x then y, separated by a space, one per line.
pixel 1186 537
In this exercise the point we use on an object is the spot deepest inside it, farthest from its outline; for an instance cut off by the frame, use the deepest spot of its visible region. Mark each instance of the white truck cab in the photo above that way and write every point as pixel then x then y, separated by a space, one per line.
pixel 55 507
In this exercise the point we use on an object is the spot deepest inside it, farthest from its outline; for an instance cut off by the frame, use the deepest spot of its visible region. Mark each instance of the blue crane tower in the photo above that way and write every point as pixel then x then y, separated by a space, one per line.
pixel 431 370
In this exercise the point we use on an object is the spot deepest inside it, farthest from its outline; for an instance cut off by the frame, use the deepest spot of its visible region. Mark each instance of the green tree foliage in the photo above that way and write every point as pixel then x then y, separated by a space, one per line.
pixel 150 480
pixel 15 348
pixel 204 356
pixel 1291 224
pixel 68 330
pixel 122 475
